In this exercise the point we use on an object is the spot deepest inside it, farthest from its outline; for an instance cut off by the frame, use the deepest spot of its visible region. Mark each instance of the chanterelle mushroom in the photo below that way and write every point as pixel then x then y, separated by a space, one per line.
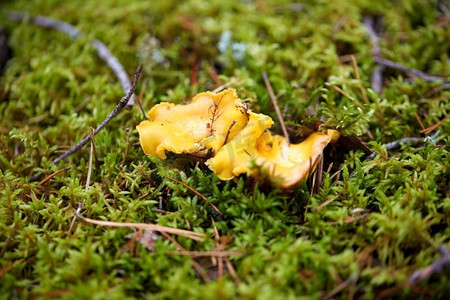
pixel 236 139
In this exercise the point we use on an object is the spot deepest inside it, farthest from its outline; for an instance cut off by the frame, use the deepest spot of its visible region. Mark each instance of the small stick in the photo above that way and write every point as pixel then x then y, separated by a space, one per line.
pixel 361 88
pixel 433 127
pixel 213 253
pixel 181 232
pixel 418 120
pixel 80 205
pixel 435 267
pixel 219 258
pixel 377 75
pixel 195 192
pixel 349 219
pixel 396 66
pixel 88 179
pixel 341 287
pixel 275 105
pixel 229 130
pixel 139 99
pixel 341 91
pixel 323 204
pixel 93 148
pixel 114 113
pixel 231 270
pixel 72 31
pixel 53 175
pixel 9 268
pixel 126 149
pixel 396 144
pixel 225 85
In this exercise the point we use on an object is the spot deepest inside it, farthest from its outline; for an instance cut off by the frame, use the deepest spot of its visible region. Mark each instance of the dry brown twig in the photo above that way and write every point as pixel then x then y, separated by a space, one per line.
pixel 225 85
pixel 435 267
pixel 396 144
pixel 88 180
pixel 52 175
pixel 361 88
pixel 433 127
pixel 273 98
pixel 196 236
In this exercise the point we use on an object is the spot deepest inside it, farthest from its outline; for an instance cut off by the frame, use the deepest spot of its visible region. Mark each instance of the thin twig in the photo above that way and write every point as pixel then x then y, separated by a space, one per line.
pixel 229 130
pixel 115 112
pixel 323 204
pixel 88 179
pixel 12 266
pixel 220 247
pixel 396 66
pixel 80 205
pixel 52 175
pixel 349 219
pixel 420 121
pixel 213 253
pixel 435 267
pixel 342 92
pixel 433 127
pixel 273 98
pixel 231 270
pixel 195 192
pixel 361 88
pixel 396 144
pixel 341 287
pixel 377 75
pixel 93 148
pixel 181 232
pixel 225 85
pixel 72 31
pixel 141 96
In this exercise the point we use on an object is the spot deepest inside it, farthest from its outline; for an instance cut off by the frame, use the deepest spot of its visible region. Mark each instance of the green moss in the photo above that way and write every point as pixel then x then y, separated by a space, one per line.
pixel 54 89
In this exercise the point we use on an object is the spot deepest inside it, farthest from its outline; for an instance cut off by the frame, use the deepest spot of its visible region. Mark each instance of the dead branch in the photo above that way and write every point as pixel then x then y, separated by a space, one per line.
pixel 181 232
pixel 213 253
pixel 102 49
pixel 393 65
pixel 53 175
pixel 396 144
pixel 273 98
pixel 435 267
pixel 377 75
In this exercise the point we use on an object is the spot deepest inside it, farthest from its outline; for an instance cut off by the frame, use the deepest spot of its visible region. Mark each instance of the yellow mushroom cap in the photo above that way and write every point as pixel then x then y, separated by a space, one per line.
pixel 207 122
pixel 287 165
pixel 155 138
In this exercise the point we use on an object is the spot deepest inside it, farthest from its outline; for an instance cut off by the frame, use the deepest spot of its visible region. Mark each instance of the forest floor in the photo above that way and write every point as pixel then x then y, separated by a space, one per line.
pixel 372 226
